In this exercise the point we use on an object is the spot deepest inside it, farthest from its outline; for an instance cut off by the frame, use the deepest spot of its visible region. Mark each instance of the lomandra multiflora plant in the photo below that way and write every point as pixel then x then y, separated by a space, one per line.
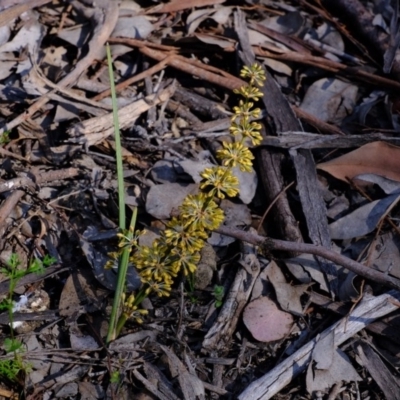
pixel 177 250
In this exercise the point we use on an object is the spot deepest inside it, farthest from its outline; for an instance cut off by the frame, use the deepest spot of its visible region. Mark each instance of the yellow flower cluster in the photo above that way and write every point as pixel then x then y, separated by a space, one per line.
pixel 178 248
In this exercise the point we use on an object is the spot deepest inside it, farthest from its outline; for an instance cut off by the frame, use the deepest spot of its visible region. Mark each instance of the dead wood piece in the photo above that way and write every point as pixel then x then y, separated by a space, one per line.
pixel 94 130
pixel 15 11
pixel 222 330
pixel 386 328
pixel 39 177
pixel 200 104
pixel 138 77
pixel 378 370
pixel 47 315
pixel 153 373
pixel 5 211
pixel 39 80
pixel 370 309
pixel 215 389
pixel 5 153
pixel 182 111
pixel 282 224
pixel 314 209
pixel 192 387
pixel 307 140
pixel 293 42
pixel 268 245
pixel 174 6
pixel 74 374
pixel 12 200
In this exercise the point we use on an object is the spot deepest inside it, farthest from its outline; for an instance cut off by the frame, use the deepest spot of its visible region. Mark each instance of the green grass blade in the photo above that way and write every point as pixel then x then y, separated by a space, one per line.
pixel 120 171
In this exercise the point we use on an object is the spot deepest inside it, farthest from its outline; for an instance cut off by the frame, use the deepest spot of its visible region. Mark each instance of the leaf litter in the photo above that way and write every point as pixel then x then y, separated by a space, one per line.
pixel 176 64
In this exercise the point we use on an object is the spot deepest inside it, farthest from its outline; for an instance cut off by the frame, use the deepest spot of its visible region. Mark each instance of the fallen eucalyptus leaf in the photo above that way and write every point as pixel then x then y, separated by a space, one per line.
pixel 378 158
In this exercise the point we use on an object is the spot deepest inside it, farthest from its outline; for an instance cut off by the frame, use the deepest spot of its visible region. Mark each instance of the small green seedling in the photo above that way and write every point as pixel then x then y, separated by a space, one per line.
pixel 218 293
pixel 10 368
pixel 115 377
pixel 5 138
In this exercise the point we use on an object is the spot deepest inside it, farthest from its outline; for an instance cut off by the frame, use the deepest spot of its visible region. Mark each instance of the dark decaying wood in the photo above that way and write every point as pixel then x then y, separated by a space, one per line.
pixel 306 140
pixel 389 385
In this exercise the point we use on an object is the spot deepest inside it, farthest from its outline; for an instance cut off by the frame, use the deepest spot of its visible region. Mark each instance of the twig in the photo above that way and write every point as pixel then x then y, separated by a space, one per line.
pixel 267 245
pixel 193 67
pixel 327 65
pixel 121 86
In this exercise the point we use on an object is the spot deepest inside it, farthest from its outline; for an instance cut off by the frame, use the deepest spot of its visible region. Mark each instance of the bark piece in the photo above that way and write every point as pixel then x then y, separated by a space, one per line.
pixel 383 377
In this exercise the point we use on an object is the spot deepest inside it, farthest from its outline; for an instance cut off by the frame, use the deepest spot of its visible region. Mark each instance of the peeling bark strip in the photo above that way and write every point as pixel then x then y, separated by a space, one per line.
pixel 368 311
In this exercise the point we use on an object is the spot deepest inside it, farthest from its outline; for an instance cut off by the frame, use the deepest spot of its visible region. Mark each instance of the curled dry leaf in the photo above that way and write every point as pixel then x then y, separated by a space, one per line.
pixel 265 321
pixel 378 158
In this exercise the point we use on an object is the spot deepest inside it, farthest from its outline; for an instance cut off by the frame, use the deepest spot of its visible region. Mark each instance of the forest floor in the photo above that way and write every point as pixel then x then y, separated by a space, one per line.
pixel 296 295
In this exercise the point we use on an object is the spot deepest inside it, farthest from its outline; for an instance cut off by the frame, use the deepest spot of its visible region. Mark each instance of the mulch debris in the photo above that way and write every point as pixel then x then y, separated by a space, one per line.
pixel 309 313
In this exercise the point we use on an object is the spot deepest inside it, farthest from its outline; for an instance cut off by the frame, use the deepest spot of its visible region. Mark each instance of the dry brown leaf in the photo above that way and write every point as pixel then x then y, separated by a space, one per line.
pixel 265 321
pixel 378 158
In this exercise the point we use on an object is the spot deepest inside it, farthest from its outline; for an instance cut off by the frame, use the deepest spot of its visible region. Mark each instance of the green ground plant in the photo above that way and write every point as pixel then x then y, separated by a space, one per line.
pixel 11 367
pixel 177 250
pixel 218 294
pixel 5 138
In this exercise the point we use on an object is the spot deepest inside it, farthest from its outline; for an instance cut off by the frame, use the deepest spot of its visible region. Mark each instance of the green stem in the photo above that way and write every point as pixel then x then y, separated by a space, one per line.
pixel 120 174
pixel 122 270
pixel 124 317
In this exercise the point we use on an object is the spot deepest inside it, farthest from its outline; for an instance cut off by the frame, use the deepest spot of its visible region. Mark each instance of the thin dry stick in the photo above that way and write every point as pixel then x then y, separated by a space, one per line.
pixel 268 245
pixel 272 204
pixel 193 67
pixel 121 86
pixel 329 65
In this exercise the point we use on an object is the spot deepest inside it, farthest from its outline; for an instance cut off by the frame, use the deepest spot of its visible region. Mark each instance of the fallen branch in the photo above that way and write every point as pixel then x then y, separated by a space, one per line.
pixel 268 245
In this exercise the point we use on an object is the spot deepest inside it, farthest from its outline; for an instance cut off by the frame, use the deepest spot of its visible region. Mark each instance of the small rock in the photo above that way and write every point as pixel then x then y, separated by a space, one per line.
pixel 163 171
pixel 247 184
pixel 161 199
